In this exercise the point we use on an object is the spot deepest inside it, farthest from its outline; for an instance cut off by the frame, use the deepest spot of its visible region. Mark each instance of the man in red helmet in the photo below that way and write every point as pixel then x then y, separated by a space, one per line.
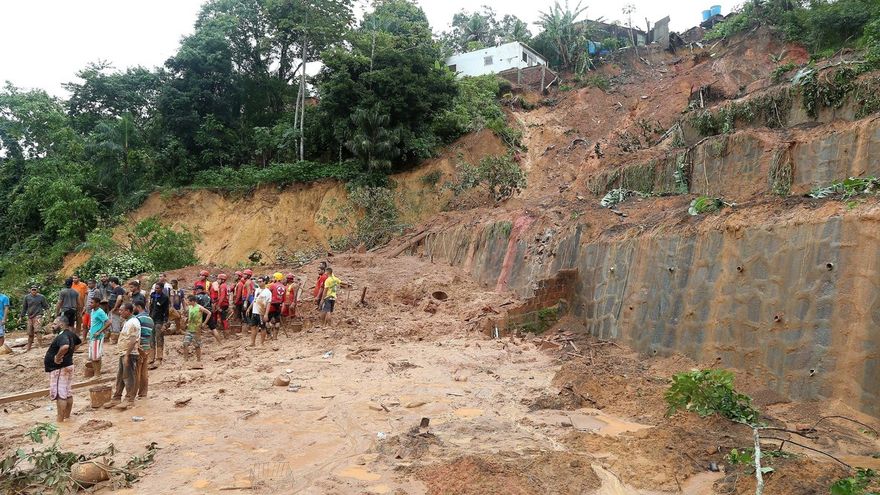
pixel 247 299
pixel 222 304
pixel 202 281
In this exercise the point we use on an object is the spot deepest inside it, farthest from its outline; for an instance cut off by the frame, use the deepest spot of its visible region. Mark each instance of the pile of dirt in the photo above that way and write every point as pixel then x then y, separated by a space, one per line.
pixel 556 473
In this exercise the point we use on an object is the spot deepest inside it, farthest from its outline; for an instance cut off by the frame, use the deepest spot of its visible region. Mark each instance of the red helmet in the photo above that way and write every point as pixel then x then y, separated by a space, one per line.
pixel 204 273
pixel 222 276
pixel 249 272
pixel 290 276
pixel 238 274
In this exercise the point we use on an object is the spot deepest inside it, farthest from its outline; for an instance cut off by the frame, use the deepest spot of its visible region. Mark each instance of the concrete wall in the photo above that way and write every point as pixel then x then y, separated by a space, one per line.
pixel 507 56
pixel 760 299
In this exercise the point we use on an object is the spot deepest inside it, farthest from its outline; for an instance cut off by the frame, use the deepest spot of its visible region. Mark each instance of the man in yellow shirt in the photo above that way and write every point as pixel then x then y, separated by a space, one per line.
pixel 331 286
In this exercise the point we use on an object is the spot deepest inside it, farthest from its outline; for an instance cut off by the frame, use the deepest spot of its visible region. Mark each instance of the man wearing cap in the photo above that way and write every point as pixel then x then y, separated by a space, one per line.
pixel 35 305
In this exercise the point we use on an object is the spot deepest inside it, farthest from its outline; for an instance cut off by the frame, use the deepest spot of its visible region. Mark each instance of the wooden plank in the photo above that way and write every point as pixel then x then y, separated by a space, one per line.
pixel 45 392
pixel 412 242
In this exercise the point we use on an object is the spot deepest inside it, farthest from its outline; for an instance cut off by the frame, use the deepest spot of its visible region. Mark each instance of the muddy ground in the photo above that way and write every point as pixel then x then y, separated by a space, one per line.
pixel 519 415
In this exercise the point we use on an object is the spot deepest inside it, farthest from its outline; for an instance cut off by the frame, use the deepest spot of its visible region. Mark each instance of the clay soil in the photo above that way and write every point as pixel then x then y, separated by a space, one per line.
pixel 515 415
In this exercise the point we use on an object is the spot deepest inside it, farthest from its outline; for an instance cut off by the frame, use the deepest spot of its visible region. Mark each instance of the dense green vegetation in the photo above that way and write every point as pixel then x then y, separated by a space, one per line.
pixel 231 110
pixel 823 26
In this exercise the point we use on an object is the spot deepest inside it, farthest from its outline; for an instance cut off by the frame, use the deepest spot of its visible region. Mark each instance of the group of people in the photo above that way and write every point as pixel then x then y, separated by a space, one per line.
pixel 136 322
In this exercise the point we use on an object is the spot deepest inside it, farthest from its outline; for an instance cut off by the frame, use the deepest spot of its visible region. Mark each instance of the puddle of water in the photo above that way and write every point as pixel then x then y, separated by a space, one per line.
pixel 592 420
pixel 359 473
pixel 698 484
pixel 466 412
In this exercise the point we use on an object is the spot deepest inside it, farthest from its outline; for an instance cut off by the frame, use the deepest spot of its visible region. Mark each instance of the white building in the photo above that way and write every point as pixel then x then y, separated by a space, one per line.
pixel 495 59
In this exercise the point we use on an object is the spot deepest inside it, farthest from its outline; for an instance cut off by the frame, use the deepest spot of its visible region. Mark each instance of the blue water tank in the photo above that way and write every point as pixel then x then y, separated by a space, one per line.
pixel 706 15
pixel 715 9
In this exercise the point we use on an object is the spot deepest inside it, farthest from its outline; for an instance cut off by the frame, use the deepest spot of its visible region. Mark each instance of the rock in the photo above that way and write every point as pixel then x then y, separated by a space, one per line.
pixel 375 407
pixel 281 381
pixel 88 473
pixel 413 405
pixel 575 463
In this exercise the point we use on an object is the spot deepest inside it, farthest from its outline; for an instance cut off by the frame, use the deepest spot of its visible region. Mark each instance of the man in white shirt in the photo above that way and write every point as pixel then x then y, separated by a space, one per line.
pixel 128 347
pixel 260 311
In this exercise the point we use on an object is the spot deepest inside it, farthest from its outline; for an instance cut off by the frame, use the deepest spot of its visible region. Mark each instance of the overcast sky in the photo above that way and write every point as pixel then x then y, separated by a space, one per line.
pixel 45 42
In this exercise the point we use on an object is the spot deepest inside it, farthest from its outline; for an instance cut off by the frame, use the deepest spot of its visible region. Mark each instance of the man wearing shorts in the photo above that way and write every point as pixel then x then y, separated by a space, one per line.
pixel 331 285
pixel 4 313
pixel 35 305
pixel 288 309
pixel 195 317
pixel 260 312
pixel 99 325
pixel 58 363
pixel 319 285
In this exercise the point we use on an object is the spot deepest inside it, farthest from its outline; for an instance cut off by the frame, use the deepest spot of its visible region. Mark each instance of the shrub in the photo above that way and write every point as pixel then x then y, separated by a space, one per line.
pixel 708 392
pixel 381 220
pixel 500 175
pixel 856 485
pixel 280 174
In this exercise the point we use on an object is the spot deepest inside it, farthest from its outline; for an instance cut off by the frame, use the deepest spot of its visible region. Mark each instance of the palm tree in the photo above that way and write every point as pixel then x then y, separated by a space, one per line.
pixel 372 143
pixel 569 36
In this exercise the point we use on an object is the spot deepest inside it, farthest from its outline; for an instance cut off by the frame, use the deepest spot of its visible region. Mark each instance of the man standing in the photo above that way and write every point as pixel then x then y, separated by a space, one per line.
pixel 247 298
pixel 159 305
pixel 319 285
pixel 288 310
pixel 204 301
pixel 146 341
pixel 238 297
pixel 126 374
pixel 68 303
pixel 35 305
pixel 99 323
pixel 117 294
pixel 202 281
pixel 83 290
pixel 136 295
pixel 4 313
pixel 222 302
pixel 331 285
pixel 194 323
pixel 277 288
pixel 58 363
pixel 103 285
pixel 260 312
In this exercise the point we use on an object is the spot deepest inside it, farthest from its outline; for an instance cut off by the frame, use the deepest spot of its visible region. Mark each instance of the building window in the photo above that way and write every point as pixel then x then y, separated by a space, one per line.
pixel 487 60
pixel 453 68
pixel 525 57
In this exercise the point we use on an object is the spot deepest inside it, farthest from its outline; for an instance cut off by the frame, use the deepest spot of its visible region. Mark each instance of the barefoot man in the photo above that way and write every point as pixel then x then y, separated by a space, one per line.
pixel 35 305
pixel 99 326
pixel 58 363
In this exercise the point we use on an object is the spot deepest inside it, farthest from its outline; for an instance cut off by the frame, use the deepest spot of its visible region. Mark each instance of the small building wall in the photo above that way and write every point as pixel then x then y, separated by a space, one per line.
pixel 494 59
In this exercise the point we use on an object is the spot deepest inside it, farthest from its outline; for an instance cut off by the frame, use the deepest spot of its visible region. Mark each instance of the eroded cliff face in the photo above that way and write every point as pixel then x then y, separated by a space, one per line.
pixel 796 302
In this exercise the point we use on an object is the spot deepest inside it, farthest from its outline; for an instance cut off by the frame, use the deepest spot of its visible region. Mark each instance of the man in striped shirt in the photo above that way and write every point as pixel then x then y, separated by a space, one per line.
pixel 147 327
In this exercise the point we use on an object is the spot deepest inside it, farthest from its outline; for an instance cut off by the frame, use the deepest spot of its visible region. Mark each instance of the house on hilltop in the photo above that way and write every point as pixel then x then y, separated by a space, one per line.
pixel 495 59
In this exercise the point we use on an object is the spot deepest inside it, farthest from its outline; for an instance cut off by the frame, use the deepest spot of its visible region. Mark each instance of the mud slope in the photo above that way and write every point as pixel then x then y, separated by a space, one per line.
pixel 302 216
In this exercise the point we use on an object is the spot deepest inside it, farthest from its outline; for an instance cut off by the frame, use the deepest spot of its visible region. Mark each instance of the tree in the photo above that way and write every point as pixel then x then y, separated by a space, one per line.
pixel 565 35
pixel 478 29
pixel 372 143
pixel 391 65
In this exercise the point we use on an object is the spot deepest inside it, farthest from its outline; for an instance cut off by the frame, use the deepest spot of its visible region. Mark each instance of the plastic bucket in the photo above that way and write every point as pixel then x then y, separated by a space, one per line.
pixel 706 15
pixel 715 10
pixel 100 395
